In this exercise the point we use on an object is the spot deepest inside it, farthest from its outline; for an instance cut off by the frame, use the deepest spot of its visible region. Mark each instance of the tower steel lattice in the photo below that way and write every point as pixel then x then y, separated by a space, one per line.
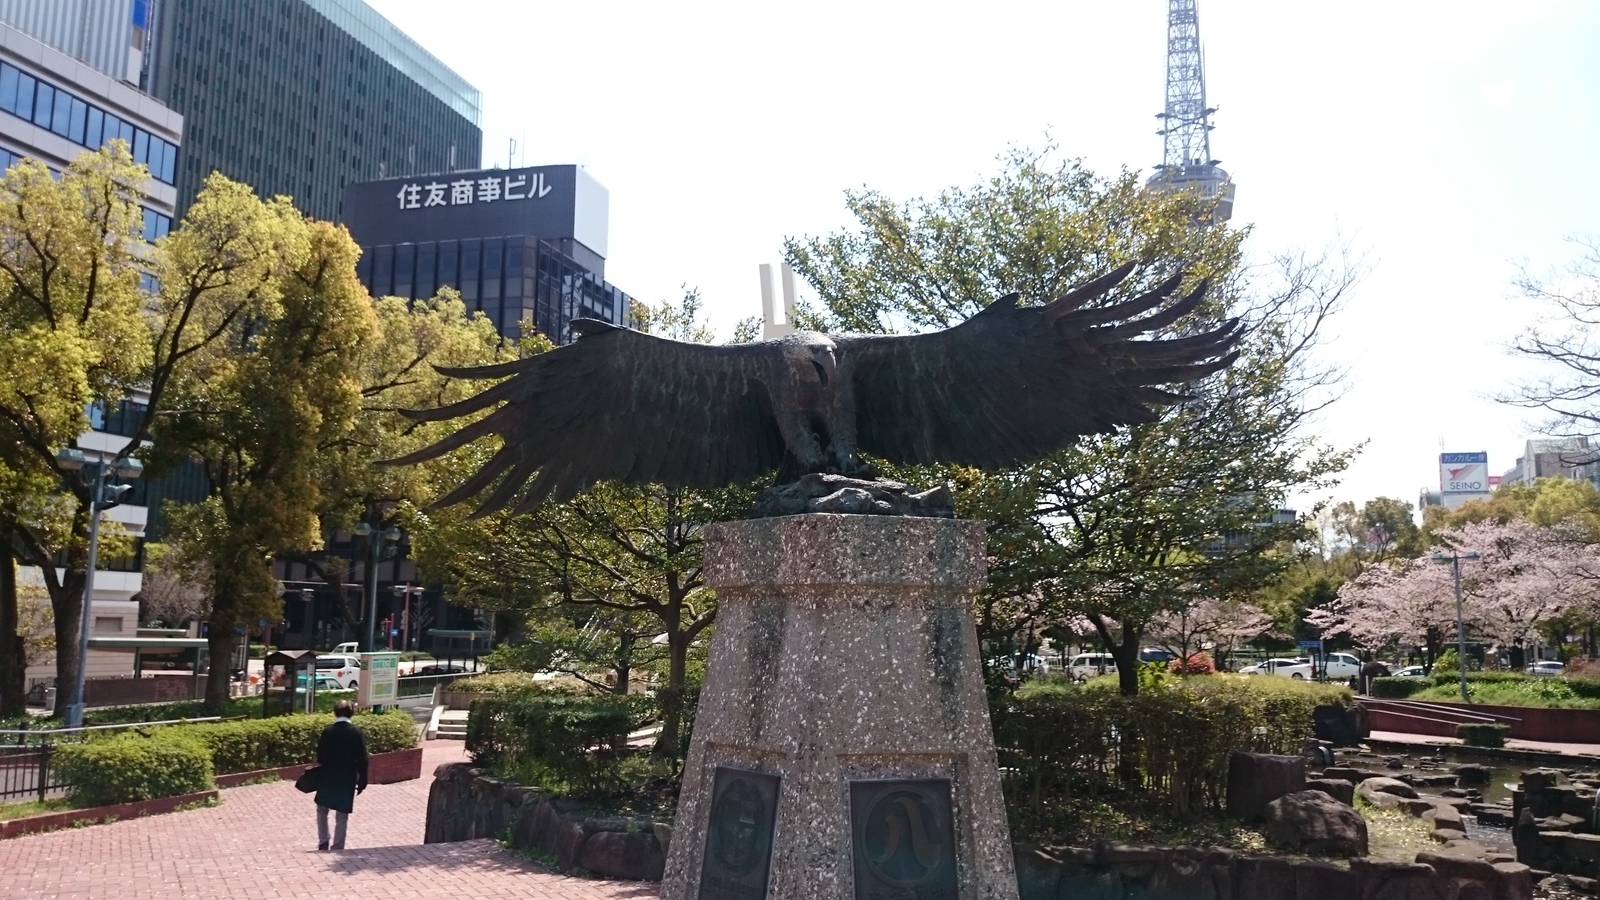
pixel 1186 162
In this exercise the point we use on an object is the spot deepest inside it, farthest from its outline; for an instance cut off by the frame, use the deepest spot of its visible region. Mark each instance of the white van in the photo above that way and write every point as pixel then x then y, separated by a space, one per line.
pixel 1087 665
pixel 348 648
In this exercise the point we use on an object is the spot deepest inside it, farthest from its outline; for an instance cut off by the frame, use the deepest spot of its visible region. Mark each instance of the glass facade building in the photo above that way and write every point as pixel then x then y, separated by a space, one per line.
pixel 302 97
pixel 522 284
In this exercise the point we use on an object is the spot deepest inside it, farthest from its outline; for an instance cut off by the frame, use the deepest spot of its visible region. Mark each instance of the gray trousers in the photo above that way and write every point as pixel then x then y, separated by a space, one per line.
pixel 341 820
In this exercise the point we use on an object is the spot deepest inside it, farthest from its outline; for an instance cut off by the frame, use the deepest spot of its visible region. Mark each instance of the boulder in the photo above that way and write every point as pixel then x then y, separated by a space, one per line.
pixel 1385 793
pixel 1264 877
pixel 1472 773
pixel 1337 788
pixel 1464 878
pixel 1516 881
pixel 1445 817
pixel 626 855
pixel 1525 836
pixel 1313 822
pixel 1447 835
pixel 1389 880
pixel 1352 775
pixel 1257 779
pixel 1539 779
pixel 1314 880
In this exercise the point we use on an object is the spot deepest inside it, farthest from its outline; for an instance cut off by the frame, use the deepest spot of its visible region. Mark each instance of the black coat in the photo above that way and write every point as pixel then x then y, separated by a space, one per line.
pixel 342 758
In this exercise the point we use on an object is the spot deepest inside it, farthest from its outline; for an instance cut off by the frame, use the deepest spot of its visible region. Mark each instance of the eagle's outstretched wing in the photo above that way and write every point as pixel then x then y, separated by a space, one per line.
pixel 616 405
pixel 1013 384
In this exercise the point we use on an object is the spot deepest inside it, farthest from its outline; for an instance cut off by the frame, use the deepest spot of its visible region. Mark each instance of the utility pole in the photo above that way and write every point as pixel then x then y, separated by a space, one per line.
pixel 1186 163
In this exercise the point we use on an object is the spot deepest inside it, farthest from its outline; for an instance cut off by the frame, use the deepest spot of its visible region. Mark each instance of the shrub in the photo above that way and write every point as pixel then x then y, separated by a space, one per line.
pixel 1170 745
pixel 567 743
pixel 253 744
pixel 1398 688
pixel 496 683
pixel 163 763
pixel 1482 734
pixel 1193 664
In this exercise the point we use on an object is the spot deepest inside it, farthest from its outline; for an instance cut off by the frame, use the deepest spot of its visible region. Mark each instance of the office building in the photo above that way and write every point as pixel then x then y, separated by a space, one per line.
pixel 54 107
pixel 527 247
pixel 1569 457
pixel 302 97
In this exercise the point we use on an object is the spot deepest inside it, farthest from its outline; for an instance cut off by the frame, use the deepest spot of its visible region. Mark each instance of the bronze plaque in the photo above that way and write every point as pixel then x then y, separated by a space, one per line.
pixel 738 857
pixel 903 840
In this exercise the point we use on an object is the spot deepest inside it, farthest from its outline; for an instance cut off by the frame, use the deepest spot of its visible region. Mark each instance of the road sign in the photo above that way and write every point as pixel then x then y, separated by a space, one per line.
pixel 1310 645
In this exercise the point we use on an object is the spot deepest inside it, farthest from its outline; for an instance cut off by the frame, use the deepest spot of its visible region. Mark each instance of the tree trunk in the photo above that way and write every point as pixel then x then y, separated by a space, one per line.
pixel 68 608
pixel 13 656
pixel 219 648
pixel 623 667
pixel 668 743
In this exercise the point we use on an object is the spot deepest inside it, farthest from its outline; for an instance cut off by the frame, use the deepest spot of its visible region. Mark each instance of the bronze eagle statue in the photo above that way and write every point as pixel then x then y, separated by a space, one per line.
pixel 1006 387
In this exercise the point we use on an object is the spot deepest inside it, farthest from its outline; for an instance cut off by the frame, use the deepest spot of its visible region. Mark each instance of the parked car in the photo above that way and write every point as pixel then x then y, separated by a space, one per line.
pixel 1343 666
pixel 435 670
pixel 1547 667
pixel 324 683
pixel 1287 668
pixel 1156 654
pixel 1088 665
pixel 346 670
pixel 1411 672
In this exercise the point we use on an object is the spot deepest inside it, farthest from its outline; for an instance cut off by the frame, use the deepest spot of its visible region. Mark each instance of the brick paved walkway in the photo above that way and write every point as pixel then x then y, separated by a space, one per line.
pixel 258 845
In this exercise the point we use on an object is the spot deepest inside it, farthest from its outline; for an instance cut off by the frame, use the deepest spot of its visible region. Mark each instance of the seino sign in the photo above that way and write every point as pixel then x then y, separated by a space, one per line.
pixel 1464 473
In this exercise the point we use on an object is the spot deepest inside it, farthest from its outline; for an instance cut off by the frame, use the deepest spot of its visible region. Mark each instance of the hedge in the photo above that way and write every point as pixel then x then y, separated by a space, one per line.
pixel 251 744
pixel 1398 688
pixel 566 742
pixel 1482 734
pixel 165 762
pixel 1170 744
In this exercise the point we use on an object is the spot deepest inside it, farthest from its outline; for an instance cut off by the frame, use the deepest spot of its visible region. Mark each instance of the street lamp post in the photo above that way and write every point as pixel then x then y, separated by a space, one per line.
pixel 377 551
pixel 1454 559
pixel 103 495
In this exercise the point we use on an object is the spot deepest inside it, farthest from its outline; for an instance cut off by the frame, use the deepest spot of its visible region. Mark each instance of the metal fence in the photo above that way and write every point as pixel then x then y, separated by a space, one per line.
pixel 423 685
pixel 26 773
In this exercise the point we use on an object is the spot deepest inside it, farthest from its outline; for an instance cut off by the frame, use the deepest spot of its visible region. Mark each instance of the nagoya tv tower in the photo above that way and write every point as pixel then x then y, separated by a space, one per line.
pixel 1186 163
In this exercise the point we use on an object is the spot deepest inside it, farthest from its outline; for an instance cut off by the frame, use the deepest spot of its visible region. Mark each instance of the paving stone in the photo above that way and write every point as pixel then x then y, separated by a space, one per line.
pixel 258 845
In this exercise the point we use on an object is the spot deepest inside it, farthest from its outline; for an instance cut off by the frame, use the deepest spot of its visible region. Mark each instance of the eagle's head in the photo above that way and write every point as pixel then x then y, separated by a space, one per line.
pixel 809 355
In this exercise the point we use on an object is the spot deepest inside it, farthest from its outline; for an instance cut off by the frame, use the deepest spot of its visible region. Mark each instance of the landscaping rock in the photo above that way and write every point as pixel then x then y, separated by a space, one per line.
pixel 1389 880
pixel 1525 837
pixel 1446 835
pixel 627 855
pixel 1324 881
pixel 1447 817
pixel 1385 793
pixel 1313 822
pixel 663 836
pixel 1266 877
pixel 1416 806
pixel 1038 873
pixel 1516 881
pixel 1352 775
pixel 1472 773
pixel 1257 779
pixel 1337 788
pixel 1463 878
pixel 1539 779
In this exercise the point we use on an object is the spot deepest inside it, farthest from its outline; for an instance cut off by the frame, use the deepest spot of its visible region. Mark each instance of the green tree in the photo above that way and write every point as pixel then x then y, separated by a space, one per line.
pixel 255 408
pixel 72 331
pixel 395 371
pixel 1123 528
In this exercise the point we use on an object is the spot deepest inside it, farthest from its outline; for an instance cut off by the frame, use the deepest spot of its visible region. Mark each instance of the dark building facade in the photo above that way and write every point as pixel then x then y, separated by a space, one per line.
pixel 303 97
pixel 526 247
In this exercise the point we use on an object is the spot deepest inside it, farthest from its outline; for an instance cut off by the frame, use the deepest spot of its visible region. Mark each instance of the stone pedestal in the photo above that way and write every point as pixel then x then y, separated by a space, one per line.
pixel 842 747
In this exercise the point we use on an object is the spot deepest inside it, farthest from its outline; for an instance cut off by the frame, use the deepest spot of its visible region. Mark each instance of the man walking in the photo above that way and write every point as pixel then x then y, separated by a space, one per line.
pixel 341 774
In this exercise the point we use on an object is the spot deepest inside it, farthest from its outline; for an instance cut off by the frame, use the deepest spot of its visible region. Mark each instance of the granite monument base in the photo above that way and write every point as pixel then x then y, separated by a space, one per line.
pixel 842 748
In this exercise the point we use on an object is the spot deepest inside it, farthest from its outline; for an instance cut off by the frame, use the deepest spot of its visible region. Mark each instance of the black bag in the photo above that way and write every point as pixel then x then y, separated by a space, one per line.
pixel 310 781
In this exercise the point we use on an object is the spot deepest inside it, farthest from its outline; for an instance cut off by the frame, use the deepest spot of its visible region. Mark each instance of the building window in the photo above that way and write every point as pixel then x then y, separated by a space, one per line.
pixel 107 624
pixel 81 122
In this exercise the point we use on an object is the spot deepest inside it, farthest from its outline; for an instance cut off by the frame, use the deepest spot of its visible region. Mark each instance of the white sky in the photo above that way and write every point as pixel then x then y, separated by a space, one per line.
pixel 1449 141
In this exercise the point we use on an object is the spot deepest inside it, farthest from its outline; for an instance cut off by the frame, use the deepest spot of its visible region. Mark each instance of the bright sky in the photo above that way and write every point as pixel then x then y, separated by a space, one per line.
pixel 1449 142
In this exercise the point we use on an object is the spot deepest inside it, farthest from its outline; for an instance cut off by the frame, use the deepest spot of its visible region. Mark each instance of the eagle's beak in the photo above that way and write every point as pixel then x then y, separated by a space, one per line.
pixel 826 368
